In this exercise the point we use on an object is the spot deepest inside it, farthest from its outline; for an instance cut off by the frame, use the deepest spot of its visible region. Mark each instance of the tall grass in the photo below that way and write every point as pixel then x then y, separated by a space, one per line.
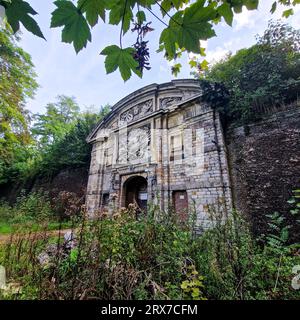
pixel 155 257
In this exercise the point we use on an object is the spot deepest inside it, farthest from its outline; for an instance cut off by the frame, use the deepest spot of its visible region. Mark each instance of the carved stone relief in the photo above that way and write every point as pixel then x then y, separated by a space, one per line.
pixel 138 144
pixel 135 145
pixel 136 112
pixel 165 102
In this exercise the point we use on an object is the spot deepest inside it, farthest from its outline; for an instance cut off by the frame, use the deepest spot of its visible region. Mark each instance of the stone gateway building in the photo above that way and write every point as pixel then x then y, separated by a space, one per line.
pixel 162 144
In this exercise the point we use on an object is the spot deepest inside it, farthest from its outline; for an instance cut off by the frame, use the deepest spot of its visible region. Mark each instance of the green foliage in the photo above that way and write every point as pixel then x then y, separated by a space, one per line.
pixel 120 258
pixel 187 28
pixel 141 17
pixel 167 5
pixel 120 58
pixel 68 148
pixel 57 141
pixel 225 11
pixel 193 286
pixel 17 84
pixel 281 227
pixel 281 36
pixel 235 266
pixel 295 202
pixel 265 75
pixel 75 26
pixel 191 22
pixel 176 69
pixel 35 205
pixel 121 11
pixel 152 258
pixel 28 208
pixel 33 212
pixel 58 119
pixel 93 9
pixel 278 232
pixel 287 13
pixel 223 257
pixel 20 11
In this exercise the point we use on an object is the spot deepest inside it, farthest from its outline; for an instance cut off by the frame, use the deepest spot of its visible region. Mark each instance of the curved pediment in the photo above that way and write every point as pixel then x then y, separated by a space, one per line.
pixel 146 102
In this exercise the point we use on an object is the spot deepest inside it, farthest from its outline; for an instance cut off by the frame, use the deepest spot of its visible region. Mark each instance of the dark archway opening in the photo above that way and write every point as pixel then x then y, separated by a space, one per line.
pixel 136 192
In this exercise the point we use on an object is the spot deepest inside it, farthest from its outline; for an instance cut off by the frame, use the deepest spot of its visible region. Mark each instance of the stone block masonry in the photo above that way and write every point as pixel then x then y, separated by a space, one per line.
pixel 161 144
pixel 265 166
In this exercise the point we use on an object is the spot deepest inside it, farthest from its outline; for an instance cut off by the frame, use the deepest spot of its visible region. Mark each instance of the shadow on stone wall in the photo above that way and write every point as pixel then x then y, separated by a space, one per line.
pixel 69 180
pixel 264 160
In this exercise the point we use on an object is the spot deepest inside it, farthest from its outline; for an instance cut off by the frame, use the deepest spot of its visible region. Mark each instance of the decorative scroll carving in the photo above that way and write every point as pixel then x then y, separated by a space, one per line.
pixel 165 102
pixel 136 112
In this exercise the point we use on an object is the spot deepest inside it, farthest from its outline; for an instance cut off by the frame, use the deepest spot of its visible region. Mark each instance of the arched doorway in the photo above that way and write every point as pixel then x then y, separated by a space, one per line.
pixel 135 191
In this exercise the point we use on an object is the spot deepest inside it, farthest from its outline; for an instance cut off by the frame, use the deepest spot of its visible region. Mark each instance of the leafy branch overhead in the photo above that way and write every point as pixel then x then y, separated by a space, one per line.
pixel 120 58
pixel 75 26
pixel 185 23
pixel 19 11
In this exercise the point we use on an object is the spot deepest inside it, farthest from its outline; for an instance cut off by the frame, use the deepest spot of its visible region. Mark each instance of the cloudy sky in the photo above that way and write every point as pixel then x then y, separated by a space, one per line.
pixel 61 71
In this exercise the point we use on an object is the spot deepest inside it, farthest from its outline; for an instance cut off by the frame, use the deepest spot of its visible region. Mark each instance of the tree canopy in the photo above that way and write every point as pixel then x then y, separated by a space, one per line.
pixel 57 120
pixel 185 22
pixel 17 83
pixel 71 149
pixel 39 143
pixel 265 74
pixel 57 142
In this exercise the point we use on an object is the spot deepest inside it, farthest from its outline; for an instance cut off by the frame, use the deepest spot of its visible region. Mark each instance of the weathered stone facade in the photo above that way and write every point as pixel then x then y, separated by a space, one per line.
pixel 173 141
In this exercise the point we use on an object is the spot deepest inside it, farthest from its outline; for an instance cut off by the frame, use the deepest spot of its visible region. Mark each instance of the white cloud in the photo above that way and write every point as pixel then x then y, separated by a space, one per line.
pixel 258 19
pixel 245 19
pixel 215 55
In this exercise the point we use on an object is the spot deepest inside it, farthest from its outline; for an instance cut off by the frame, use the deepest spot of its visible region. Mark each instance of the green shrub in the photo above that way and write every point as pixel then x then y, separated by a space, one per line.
pixel 34 207
pixel 235 266
pixel 119 258
pixel 154 257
